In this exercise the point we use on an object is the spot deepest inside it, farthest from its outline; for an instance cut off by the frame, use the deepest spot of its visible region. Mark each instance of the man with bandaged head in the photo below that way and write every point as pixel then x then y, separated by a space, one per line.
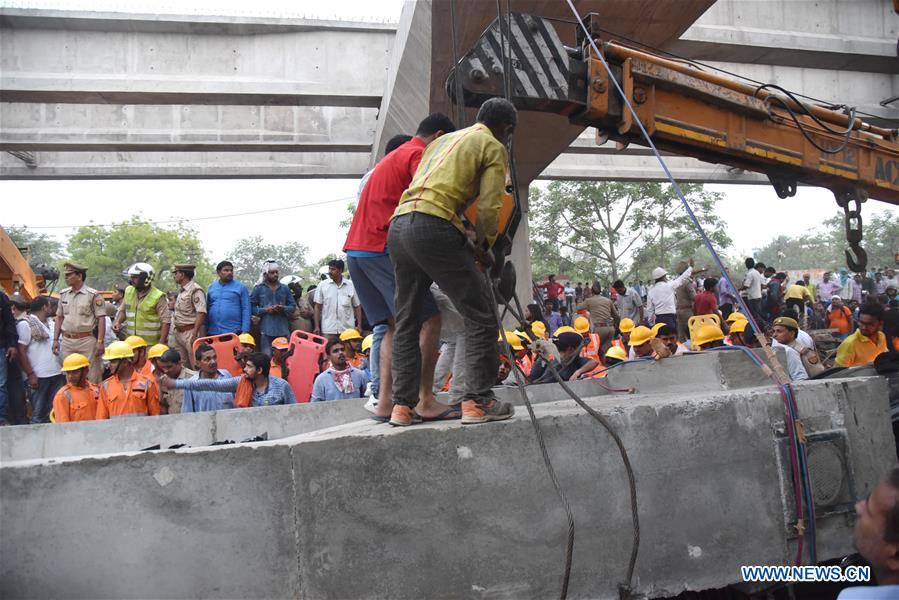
pixel 273 303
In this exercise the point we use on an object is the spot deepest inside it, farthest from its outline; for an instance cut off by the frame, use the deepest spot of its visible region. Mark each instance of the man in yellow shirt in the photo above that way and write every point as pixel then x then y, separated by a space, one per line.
pixel 863 346
pixel 796 296
pixel 428 243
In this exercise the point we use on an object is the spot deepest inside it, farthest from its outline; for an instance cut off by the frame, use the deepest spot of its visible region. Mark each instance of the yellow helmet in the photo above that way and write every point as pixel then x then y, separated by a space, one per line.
pixel 735 316
pixel 350 334
pixel 75 361
pixel 626 326
pixel 157 350
pixel 246 339
pixel 564 329
pixel 708 334
pixel 655 329
pixel 513 340
pixel 135 342
pixel 117 350
pixel 582 325
pixel 639 336
pixel 616 352
pixel 539 329
pixel 739 326
pixel 366 342
pixel 525 338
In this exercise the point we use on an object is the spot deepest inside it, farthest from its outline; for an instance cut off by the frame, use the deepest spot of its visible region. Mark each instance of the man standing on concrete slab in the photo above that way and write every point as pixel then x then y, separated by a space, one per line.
pixel 368 259
pixel 429 244
pixel 227 303
pixel 81 310
pixel 877 540
pixel 189 314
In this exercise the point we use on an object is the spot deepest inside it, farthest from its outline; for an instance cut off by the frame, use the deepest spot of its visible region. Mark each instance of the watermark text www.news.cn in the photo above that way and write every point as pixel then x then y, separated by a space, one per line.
pixel 805 574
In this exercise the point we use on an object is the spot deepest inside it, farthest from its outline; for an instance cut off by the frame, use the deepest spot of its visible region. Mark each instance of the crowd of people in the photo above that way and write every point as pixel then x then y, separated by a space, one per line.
pixel 417 289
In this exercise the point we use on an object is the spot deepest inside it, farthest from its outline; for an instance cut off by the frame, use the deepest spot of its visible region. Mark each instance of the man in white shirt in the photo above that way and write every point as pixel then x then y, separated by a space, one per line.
pixel 752 283
pixel 337 307
pixel 660 305
pixel 39 364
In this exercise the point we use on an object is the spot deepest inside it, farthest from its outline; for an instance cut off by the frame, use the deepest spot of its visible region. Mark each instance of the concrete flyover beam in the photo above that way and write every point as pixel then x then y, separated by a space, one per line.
pixel 211 64
pixel 446 510
pixel 639 165
pixel 187 165
pixel 115 127
pixel 829 34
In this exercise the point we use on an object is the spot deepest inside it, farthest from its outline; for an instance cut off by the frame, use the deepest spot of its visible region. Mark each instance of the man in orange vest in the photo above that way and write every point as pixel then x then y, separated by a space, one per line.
pixel 127 392
pixel 279 350
pixel 77 399
pixel 139 347
pixel 625 327
pixel 591 340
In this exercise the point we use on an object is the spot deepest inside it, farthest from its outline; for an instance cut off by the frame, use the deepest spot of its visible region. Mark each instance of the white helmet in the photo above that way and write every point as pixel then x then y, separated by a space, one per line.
pixel 658 273
pixel 288 279
pixel 143 269
pixel 323 272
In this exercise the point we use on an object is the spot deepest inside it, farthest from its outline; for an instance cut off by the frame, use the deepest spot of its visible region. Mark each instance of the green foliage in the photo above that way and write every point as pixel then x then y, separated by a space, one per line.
pixel 41 248
pixel 249 253
pixel 108 250
pixel 617 230
pixel 823 247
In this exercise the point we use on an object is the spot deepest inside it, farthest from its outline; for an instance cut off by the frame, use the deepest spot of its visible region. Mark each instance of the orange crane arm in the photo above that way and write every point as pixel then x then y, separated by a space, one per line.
pixel 15 272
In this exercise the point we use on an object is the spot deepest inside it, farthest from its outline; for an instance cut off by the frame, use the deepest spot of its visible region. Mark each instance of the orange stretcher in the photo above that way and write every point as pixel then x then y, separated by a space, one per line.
pixel 226 345
pixel 306 358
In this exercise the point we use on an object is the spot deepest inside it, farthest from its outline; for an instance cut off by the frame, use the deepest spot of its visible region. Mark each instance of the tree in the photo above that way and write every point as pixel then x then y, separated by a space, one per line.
pixel 249 253
pixel 107 251
pixel 38 248
pixel 616 230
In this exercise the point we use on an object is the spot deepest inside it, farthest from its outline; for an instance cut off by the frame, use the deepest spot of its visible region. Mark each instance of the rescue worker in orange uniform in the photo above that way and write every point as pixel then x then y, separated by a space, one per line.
pixel 352 345
pixel 77 399
pixel 279 354
pixel 139 346
pixel 522 355
pixel 625 327
pixel 592 342
pixel 126 393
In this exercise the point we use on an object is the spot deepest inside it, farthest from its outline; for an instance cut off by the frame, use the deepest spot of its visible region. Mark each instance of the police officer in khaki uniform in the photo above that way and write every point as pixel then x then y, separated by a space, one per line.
pixel 189 314
pixel 81 310
pixel 785 330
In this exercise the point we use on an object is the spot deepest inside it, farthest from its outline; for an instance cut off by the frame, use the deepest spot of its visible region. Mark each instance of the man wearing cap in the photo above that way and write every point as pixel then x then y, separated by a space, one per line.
pixel 277 368
pixel 145 308
pixel 190 311
pixel 77 399
pixel 640 342
pixel 273 303
pixel 81 311
pixel 786 330
pixel 743 334
pixel 126 393
pixel 660 302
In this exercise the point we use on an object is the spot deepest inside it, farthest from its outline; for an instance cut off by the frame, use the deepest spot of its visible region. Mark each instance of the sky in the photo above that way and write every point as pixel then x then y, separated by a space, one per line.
pixel 312 209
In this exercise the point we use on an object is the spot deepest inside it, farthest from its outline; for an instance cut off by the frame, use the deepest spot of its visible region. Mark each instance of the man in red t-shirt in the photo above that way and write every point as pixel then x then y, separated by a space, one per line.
pixel 553 290
pixel 370 268
pixel 706 301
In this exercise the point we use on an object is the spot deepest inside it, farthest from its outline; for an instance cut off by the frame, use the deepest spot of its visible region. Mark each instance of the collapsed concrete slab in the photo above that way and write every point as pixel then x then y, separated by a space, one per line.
pixel 443 510
pixel 709 371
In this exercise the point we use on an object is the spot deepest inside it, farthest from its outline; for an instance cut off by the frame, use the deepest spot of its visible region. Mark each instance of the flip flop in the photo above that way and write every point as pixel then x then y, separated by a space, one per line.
pixel 450 414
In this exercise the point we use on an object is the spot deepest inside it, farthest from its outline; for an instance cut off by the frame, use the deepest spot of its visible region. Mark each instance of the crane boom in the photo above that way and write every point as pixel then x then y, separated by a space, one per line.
pixel 688 111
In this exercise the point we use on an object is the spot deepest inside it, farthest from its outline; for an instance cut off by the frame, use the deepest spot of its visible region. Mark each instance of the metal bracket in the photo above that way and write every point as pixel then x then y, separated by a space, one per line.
pixel 785 188
pixel 856 257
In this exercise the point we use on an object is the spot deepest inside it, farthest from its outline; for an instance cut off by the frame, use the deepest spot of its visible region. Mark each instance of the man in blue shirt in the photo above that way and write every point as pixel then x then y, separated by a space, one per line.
pixel 254 388
pixel 877 540
pixel 227 303
pixel 342 380
pixel 201 401
pixel 273 303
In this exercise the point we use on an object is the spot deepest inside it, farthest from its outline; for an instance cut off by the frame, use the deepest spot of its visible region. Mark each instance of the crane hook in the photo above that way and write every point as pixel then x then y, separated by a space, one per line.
pixel 856 257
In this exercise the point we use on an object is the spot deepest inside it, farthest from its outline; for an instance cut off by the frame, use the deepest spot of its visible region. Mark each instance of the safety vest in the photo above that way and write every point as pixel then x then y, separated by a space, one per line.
pixel 141 316
pixel 620 344
pixel 525 363
pixel 591 347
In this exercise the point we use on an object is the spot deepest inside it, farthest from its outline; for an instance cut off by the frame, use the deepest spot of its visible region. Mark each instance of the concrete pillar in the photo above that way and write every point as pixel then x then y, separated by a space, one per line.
pixel 521 251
